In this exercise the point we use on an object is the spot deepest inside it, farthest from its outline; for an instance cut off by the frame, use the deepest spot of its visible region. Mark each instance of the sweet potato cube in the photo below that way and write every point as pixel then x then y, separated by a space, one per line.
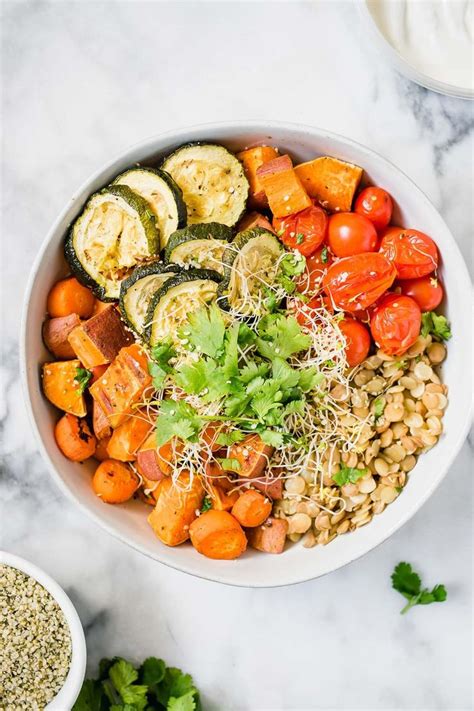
pixel 156 462
pixel 270 536
pixel 122 384
pixel 98 340
pixel 332 182
pixel 286 195
pixel 61 387
pixel 175 510
pixel 100 423
pixel 56 332
pixel 254 219
pixel 129 436
pixel 252 159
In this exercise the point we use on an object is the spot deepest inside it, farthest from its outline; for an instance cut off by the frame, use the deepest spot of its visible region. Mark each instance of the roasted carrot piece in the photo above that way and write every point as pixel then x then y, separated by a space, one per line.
pixel 254 219
pixel 114 482
pixel 251 508
pixel 74 438
pixel 218 535
pixel 252 159
pixel 122 385
pixel 101 449
pixel 286 195
pixel 331 181
pixel 156 462
pixel 69 297
pixel 221 501
pixel 98 340
pixel 129 436
pixel 175 510
pixel 270 537
pixel 56 332
pixel 62 389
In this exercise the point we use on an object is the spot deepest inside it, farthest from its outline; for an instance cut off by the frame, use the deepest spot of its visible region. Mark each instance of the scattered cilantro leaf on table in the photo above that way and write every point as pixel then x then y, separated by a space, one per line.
pixel 408 583
pixel 82 378
pixel 436 325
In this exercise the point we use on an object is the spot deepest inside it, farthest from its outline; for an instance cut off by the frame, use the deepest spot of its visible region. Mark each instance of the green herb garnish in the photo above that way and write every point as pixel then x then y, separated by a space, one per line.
pixel 324 255
pixel 348 475
pixel 379 407
pixel 159 367
pixel 206 504
pixel 300 238
pixel 408 583
pixel 82 378
pixel 436 325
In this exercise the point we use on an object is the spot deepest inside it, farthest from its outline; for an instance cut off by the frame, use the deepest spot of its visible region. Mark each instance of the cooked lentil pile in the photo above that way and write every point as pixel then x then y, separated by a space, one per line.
pixel 35 643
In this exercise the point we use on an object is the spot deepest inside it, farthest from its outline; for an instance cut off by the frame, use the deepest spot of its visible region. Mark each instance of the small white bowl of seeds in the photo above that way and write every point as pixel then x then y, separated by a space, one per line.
pixel 42 644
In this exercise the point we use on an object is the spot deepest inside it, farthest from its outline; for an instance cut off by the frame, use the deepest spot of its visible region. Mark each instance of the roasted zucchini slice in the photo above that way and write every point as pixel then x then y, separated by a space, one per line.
pixel 171 305
pixel 114 233
pixel 137 290
pixel 200 246
pixel 252 262
pixel 161 192
pixel 213 182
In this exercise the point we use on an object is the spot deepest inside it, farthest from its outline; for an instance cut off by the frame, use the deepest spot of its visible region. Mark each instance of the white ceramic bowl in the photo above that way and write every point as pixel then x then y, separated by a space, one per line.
pixel 72 686
pixel 128 522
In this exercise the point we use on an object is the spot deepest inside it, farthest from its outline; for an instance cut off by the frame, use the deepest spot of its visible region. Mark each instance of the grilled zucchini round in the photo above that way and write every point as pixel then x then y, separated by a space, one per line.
pixel 213 182
pixel 161 192
pixel 200 246
pixel 115 232
pixel 137 290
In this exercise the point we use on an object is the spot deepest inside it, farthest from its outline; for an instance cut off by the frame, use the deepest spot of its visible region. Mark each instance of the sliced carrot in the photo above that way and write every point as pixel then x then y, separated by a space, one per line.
pixel 331 181
pixel 221 501
pixel 61 387
pixel 56 332
pixel 101 450
pixel 270 537
pixel 122 385
pixel 251 508
pixel 286 195
pixel 74 438
pixel 252 159
pixel 69 297
pixel 218 535
pixel 98 340
pixel 114 482
pixel 129 436
pixel 175 510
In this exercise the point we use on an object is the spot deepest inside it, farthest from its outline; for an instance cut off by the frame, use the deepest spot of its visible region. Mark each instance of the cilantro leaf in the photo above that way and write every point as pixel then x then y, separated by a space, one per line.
pixel 177 419
pixel 266 399
pixel 292 264
pixel 229 464
pixel 246 336
pixel 227 439
pixel 293 407
pixel 286 376
pixel 253 370
pixel 175 684
pixel 159 367
pixel 271 437
pixel 280 336
pixel 187 702
pixel 435 324
pixel 309 378
pixel 203 378
pixel 348 475
pixel 91 697
pixel 324 255
pixel 205 330
pixel 379 407
pixel 408 583
pixel 82 378
pixel 206 504
pixel 123 677
pixel 152 671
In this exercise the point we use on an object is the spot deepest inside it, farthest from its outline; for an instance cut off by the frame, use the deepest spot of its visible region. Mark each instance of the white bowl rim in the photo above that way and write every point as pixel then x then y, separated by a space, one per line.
pixel 72 686
pixel 409 70
pixel 178 136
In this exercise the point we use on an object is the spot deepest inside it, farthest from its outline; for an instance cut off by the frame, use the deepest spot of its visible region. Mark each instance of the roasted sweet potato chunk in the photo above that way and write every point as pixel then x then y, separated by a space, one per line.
pixel 330 181
pixel 61 387
pixel 56 332
pixel 128 438
pixel 98 340
pixel 176 508
pixel 252 159
pixel 270 536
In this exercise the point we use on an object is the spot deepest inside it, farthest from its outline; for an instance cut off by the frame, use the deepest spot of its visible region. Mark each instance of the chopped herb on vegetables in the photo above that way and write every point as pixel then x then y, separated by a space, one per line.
pixel 82 378
pixel 408 584
pixel 348 475
pixel 379 407
pixel 324 255
pixel 206 504
pixel 436 325
pixel 159 367
pixel 229 464
pixel 299 238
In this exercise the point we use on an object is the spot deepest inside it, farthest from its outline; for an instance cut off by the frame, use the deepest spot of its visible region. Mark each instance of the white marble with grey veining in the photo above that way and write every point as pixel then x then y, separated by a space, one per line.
pixel 83 80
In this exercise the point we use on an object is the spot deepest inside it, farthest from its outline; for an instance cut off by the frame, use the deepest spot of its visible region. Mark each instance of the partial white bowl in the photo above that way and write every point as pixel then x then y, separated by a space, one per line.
pixel 128 522
pixel 399 63
pixel 72 686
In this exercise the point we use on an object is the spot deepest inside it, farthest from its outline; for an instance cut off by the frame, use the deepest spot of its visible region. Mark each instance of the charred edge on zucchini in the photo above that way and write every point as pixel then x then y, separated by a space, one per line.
pixel 102 261
pixel 213 182
pixel 200 246
pixel 137 290
pixel 162 193
pixel 171 305
pixel 250 263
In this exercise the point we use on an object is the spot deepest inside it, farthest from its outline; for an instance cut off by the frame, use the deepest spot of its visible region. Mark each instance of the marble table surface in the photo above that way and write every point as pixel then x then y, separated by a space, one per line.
pixel 83 80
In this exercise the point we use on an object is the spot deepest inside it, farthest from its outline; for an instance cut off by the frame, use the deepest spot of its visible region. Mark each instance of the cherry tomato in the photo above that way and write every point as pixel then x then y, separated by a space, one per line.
pixel 316 264
pixel 375 204
pixel 357 340
pixel 413 253
pixel 305 312
pixel 350 234
pixel 354 283
pixel 304 230
pixel 395 323
pixel 427 291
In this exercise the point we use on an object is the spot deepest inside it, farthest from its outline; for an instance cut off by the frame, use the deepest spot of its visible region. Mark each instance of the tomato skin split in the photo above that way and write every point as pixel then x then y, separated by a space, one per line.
pixel 395 323
pixel 355 283
pixel 413 253
pixel 304 231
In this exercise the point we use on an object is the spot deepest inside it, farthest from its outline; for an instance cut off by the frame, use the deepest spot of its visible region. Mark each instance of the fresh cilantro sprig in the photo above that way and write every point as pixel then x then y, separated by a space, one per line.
pixel 436 325
pixel 159 367
pixel 408 584
pixel 152 687
pixel 379 408
pixel 348 475
pixel 291 265
pixel 82 378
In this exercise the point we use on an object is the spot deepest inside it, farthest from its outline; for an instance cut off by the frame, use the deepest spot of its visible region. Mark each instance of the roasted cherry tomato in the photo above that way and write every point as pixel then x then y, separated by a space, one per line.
pixel 396 323
pixel 305 312
pixel 354 283
pixel 427 291
pixel 316 264
pixel 413 253
pixel 350 234
pixel 357 340
pixel 375 204
pixel 304 230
